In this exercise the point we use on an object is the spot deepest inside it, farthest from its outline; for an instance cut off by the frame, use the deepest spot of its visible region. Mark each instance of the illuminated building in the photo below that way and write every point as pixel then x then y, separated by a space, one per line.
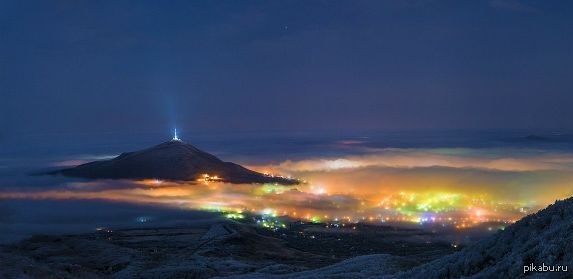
pixel 175 138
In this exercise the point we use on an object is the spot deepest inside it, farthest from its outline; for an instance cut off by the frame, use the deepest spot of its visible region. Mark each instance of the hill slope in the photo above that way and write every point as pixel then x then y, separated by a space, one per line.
pixel 544 237
pixel 172 160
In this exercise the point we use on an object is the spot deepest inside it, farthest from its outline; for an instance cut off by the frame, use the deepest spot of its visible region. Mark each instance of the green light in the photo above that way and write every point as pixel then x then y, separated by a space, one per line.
pixel 315 219
pixel 234 216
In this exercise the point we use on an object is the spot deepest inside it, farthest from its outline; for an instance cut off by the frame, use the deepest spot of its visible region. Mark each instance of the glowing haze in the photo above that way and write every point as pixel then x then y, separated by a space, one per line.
pixel 460 186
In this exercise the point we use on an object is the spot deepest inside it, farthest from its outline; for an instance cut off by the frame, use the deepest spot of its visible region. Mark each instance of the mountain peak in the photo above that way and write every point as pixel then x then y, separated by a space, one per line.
pixel 170 160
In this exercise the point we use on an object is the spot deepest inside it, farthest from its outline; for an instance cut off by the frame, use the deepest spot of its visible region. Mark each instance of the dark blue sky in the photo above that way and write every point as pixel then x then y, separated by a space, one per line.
pixel 218 66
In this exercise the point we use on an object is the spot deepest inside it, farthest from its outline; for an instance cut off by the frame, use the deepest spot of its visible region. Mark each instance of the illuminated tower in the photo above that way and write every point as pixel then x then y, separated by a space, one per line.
pixel 175 135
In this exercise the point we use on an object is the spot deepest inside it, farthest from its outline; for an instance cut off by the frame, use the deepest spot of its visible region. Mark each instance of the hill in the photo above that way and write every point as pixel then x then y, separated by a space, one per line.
pixel 172 160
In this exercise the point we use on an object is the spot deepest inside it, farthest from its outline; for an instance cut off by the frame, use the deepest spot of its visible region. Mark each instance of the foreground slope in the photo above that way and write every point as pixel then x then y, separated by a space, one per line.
pixel 545 237
pixel 205 250
pixel 172 160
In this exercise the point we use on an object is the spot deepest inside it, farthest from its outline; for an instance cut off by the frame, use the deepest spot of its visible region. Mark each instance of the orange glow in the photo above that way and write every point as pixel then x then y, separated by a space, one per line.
pixel 418 186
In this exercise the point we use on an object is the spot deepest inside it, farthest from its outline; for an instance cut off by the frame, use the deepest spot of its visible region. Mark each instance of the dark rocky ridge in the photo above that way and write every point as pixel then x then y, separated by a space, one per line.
pixel 545 237
pixel 172 160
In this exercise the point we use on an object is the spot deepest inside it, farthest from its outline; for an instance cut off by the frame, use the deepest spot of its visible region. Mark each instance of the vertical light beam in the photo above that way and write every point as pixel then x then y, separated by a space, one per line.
pixel 175 135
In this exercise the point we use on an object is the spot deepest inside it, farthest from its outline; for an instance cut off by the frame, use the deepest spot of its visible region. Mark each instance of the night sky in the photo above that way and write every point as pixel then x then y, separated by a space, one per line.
pixel 219 66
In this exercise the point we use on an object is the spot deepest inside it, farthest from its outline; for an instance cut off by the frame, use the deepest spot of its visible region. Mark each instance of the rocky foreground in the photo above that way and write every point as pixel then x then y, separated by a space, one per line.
pixel 224 249
pixel 545 237
pixel 239 250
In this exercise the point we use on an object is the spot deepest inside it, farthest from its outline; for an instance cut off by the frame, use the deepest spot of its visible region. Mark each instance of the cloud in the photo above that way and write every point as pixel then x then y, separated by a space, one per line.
pixel 458 158
pixel 386 182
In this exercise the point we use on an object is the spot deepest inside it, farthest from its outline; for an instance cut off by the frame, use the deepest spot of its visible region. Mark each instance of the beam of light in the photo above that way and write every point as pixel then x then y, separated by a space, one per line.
pixel 175 138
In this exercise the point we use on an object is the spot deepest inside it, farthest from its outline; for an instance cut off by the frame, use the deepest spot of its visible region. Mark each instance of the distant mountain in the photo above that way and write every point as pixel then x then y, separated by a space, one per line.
pixel 536 137
pixel 172 160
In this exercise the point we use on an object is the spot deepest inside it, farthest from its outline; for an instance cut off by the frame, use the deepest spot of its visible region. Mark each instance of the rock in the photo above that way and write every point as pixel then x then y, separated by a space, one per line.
pixel 545 237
